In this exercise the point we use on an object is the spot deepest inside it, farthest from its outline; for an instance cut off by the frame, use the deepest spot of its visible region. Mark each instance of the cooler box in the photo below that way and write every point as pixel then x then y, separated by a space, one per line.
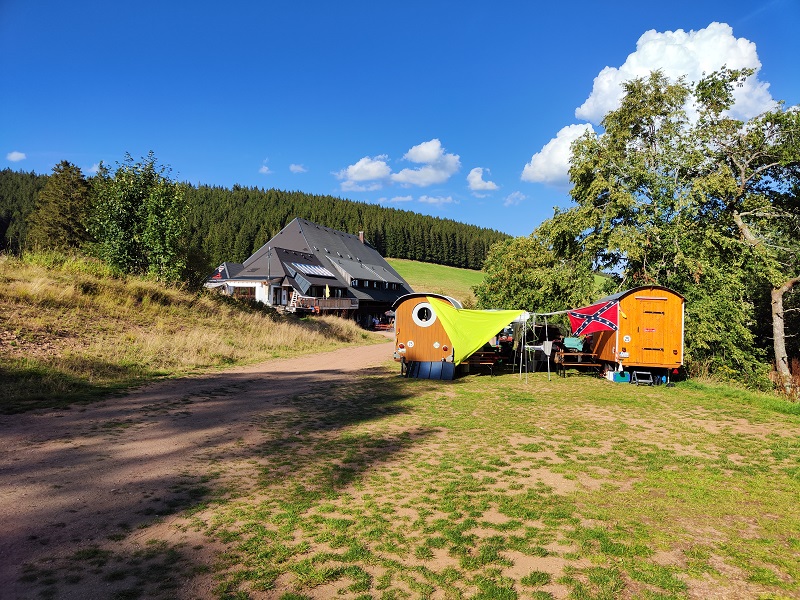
pixel 622 377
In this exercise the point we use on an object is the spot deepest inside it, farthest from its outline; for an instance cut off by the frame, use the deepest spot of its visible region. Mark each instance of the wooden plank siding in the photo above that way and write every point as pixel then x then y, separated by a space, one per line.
pixel 651 320
pixel 420 342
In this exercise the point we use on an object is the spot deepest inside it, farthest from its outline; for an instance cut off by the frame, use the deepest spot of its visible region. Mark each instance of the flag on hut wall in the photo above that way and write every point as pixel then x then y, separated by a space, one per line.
pixel 603 316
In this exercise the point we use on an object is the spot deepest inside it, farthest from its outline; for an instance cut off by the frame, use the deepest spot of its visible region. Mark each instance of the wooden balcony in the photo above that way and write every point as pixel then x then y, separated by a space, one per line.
pixel 323 304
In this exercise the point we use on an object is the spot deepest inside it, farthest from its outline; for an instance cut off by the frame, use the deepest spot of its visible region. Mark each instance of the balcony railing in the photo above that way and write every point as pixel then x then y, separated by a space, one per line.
pixel 310 303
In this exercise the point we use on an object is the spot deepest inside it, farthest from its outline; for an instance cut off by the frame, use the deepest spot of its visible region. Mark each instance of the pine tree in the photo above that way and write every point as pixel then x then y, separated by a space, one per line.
pixel 58 220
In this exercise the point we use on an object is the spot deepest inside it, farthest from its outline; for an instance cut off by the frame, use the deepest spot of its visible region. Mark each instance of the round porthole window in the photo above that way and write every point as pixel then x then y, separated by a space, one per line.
pixel 423 314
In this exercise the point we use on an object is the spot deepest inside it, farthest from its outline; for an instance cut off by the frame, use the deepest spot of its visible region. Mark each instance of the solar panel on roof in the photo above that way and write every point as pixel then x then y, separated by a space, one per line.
pixel 313 270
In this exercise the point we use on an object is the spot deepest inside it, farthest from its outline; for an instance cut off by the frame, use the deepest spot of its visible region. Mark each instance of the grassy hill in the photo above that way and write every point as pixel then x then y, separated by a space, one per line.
pixel 70 330
pixel 439 279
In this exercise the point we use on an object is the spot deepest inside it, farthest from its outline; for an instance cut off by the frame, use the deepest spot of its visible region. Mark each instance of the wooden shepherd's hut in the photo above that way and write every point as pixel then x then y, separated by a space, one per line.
pixel 650 334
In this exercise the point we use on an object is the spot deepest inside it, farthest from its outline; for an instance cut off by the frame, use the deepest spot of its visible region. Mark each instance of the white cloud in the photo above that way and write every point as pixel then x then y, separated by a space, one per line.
pixel 297 168
pixel 352 186
pixel 680 53
pixel 438 166
pixel 477 183
pixel 514 198
pixel 16 156
pixel 94 169
pixel 677 54
pixel 551 163
pixel 373 170
pixel 437 200
pixel 264 170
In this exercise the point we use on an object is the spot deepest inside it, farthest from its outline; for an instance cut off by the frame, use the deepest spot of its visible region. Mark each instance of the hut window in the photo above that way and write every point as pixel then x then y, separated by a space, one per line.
pixel 423 314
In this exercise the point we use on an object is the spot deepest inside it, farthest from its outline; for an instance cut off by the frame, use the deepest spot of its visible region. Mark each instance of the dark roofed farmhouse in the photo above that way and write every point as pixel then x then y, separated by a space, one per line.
pixel 307 267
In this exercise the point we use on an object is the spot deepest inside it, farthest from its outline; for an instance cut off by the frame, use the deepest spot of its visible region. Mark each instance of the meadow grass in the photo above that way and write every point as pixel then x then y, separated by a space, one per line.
pixel 72 330
pixel 488 487
pixel 439 279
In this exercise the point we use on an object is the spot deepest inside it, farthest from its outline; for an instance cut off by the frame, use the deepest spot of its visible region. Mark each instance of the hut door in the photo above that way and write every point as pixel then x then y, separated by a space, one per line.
pixel 652 329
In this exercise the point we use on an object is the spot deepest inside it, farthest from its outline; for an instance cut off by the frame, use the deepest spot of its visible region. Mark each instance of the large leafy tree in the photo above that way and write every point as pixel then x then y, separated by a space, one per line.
pixel 139 219
pixel 524 273
pixel 58 220
pixel 677 192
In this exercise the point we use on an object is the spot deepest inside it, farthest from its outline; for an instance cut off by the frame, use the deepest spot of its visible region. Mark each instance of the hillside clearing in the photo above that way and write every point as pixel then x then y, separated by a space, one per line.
pixel 439 279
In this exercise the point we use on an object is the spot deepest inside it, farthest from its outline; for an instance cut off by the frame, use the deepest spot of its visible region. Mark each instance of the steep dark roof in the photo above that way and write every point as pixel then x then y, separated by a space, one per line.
pixel 343 253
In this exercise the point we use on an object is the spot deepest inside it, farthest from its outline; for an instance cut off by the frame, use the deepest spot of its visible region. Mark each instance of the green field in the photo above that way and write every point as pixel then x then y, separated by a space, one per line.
pixel 485 488
pixel 438 279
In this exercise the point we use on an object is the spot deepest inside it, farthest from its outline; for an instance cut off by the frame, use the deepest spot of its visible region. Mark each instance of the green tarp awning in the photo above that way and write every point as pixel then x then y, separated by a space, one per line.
pixel 469 330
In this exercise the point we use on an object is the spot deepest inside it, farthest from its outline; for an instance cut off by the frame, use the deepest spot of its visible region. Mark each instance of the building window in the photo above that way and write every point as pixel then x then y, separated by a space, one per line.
pixel 244 292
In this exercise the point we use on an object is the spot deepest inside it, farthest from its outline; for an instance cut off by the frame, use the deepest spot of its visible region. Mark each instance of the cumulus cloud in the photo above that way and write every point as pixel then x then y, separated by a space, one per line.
pixel 514 198
pixel 677 54
pixel 94 169
pixel 353 186
pixel 551 163
pixel 681 53
pixel 437 200
pixel 365 175
pixel 264 170
pixel 437 165
pixel 16 156
pixel 297 168
pixel 478 184
pixel 371 173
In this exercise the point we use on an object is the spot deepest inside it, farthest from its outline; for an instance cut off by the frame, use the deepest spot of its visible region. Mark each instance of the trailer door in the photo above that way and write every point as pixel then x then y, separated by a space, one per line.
pixel 652 330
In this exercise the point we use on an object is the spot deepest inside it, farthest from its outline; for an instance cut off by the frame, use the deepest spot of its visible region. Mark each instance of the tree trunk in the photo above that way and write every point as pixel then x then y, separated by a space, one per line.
pixel 779 337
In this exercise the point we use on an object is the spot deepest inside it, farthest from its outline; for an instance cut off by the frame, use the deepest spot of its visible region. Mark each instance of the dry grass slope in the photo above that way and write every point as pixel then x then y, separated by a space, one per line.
pixel 70 329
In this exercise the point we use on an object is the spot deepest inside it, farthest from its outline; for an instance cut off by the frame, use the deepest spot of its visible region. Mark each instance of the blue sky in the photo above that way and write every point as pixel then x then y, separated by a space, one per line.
pixel 462 110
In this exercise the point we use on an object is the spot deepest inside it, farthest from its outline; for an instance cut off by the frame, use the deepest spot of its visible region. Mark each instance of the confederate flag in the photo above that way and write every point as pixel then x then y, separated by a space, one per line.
pixel 598 317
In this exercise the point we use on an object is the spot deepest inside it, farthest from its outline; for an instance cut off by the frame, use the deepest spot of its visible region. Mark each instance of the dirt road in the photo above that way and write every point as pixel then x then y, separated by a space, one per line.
pixel 72 480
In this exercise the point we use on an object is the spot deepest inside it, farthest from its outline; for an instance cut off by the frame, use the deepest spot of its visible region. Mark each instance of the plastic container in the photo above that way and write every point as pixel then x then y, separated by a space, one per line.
pixel 622 377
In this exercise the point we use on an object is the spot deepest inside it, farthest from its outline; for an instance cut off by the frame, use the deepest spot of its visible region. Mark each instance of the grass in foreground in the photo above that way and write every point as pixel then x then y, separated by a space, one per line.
pixel 490 488
pixel 70 331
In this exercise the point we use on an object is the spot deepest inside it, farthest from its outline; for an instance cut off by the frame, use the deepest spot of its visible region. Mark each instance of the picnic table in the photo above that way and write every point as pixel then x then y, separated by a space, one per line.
pixel 571 360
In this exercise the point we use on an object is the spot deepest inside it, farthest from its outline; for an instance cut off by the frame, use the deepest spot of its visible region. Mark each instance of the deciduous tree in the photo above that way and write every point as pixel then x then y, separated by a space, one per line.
pixel 139 219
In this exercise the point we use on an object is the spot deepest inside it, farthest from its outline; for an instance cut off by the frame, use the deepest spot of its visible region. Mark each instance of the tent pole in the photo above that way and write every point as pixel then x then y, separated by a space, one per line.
pixel 547 339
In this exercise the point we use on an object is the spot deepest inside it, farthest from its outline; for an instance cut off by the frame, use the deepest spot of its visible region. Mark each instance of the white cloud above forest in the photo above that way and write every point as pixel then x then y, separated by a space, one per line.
pixel 294 168
pixel 16 156
pixel 437 165
pixel 437 200
pixel 677 54
pixel 372 173
pixel 365 175
pixel 478 184
pixel 514 198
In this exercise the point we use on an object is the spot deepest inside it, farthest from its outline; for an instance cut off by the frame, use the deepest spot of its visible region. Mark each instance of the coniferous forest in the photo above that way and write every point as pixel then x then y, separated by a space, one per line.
pixel 230 224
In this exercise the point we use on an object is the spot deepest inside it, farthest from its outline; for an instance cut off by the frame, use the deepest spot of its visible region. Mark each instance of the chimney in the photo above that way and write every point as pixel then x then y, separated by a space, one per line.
pixel 361 236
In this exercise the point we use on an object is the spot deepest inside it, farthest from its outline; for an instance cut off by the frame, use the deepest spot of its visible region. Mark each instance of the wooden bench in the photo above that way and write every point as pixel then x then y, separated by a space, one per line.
pixel 484 358
pixel 576 360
